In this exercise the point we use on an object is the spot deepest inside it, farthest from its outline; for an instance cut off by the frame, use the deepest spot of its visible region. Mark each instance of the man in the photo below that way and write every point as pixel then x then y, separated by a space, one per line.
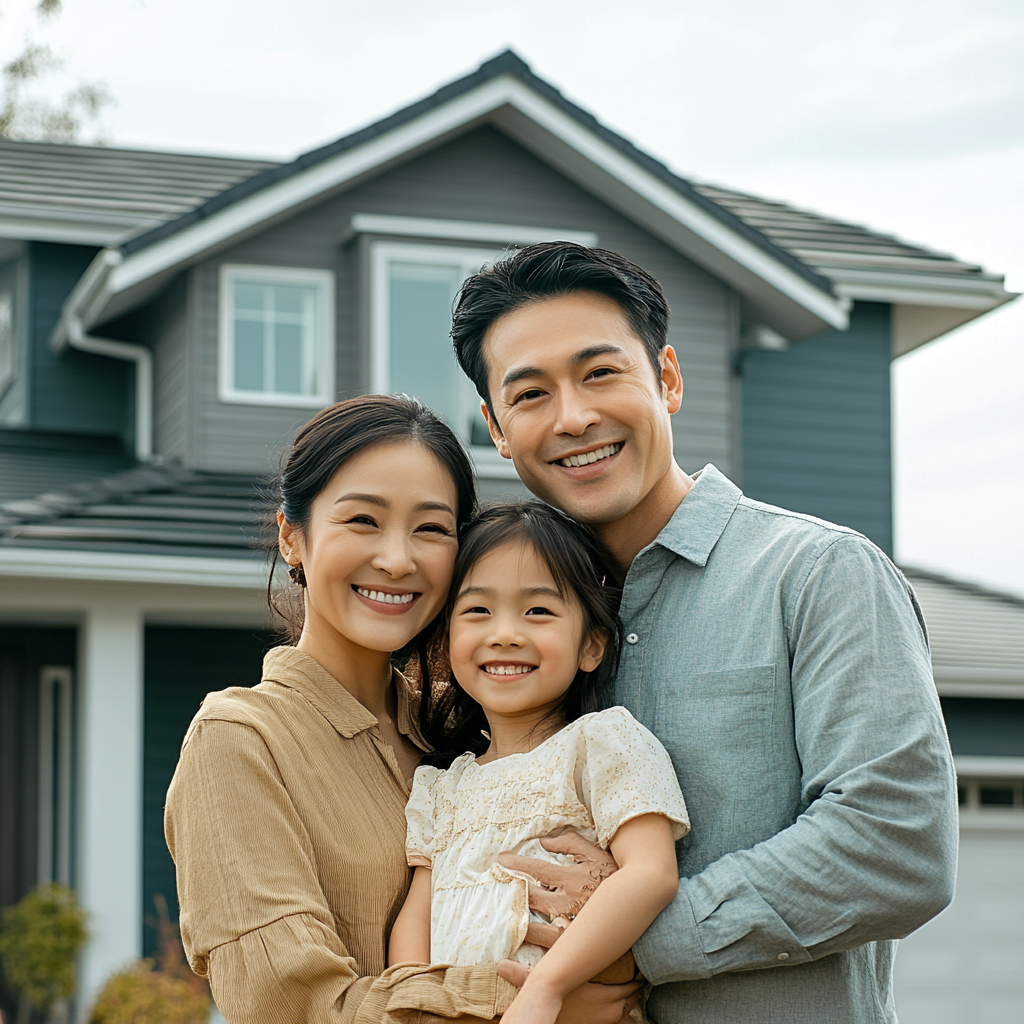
pixel 782 661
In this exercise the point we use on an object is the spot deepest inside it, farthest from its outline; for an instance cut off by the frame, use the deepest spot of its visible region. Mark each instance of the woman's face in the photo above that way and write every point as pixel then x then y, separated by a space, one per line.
pixel 379 549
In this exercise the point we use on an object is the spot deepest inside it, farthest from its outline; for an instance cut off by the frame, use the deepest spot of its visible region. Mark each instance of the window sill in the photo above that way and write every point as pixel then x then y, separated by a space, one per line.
pixel 280 401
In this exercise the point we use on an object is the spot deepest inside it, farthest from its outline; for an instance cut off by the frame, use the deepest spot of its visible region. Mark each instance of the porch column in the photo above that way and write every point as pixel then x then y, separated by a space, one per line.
pixel 109 854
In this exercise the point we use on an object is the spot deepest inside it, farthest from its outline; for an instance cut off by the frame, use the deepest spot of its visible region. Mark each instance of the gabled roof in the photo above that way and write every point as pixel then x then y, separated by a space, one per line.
pixel 976 635
pixel 795 269
pixel 778 287
pixel 96 195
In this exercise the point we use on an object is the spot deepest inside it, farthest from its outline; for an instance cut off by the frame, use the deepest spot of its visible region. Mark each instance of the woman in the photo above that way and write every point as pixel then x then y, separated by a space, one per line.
pixel 285 817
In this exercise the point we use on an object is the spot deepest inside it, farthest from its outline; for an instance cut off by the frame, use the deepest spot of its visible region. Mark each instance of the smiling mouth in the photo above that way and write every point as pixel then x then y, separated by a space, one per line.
pixel 384 598
pixel 588 458
pixel 508 670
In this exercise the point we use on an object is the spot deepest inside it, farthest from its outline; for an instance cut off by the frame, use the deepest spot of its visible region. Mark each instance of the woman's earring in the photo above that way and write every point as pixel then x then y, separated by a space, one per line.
pixel 296 575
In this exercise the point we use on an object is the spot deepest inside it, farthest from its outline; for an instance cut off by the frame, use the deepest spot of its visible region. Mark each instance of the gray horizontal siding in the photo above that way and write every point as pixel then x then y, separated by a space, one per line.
pixel 816 425
pixel 482 176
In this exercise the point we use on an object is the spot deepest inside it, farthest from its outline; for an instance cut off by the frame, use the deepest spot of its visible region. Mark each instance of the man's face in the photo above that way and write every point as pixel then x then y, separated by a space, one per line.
pixel 577 405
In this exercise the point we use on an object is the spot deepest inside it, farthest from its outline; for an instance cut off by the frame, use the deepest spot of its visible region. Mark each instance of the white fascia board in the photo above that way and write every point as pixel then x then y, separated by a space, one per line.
pixel 465 230
pixel 699 235
pixel 68 232
pixel 982 766
pixel 919 290
pixel 49 563
pixel 1013 691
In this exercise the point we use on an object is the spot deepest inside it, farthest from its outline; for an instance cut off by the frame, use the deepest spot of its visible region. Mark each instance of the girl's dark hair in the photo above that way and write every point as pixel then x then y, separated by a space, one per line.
pixel 450 719
pixel 332 437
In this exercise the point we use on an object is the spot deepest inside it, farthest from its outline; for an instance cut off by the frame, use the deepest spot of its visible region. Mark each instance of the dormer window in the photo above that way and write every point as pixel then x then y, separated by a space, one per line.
pixel 276 335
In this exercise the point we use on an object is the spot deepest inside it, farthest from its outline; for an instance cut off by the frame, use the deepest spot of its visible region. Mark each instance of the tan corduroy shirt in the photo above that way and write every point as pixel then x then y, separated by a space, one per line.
pixel 286 822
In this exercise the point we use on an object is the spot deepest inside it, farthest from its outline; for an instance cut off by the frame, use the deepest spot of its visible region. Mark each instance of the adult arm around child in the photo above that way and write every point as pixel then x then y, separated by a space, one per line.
pixel 613 918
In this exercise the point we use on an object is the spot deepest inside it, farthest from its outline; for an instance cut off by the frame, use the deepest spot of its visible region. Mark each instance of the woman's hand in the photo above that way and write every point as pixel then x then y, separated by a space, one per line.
pixel 561 889
pixel 589 1004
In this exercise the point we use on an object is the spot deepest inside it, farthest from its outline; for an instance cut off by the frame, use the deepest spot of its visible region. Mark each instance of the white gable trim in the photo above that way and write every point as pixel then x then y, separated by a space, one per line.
pixel 786 299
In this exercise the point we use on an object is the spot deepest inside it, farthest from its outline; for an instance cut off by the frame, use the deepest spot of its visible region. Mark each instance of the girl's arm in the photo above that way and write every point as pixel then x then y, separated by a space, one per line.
pixel 617 914
pixel 410 937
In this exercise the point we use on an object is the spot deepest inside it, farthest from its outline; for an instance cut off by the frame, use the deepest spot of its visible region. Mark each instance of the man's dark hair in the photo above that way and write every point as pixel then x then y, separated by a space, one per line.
pixel 545 271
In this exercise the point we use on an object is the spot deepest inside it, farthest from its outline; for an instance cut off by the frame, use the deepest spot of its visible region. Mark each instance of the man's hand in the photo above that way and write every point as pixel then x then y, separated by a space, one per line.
pixel 590 1003
pixel 561 890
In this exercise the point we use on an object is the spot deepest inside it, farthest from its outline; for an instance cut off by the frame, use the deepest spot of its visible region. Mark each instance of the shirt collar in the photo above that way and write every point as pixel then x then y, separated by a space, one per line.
pixel 295 669
pixel 701 517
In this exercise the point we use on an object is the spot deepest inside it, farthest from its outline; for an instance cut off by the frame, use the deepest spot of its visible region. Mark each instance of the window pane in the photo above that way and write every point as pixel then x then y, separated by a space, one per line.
pixel 249 296
pixel 248 356
pixel 288 359
pixel 289 298
pixel 996 796
pixel 422 362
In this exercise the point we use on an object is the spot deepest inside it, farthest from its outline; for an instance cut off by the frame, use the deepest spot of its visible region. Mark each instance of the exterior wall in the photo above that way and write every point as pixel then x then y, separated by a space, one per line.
pixel 182 665
pixel 75 392
pixel 482 176
pixel 817 425
pixel 964 966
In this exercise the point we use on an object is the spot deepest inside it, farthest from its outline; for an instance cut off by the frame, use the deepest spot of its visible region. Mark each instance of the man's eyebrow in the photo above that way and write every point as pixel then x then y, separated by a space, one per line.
pixel 582 356
pixel 596 350
pixel 519 374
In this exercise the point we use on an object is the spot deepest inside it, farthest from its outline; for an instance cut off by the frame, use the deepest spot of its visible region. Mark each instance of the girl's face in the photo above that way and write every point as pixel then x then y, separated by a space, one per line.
pixel 514 643
pixel 380 547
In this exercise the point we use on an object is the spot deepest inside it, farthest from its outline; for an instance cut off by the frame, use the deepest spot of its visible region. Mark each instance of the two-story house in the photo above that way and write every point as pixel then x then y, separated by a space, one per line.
pixel 167 321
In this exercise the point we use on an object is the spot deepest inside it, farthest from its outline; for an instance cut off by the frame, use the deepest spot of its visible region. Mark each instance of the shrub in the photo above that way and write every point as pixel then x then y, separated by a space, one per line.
pixel 40 937
pixel 140 995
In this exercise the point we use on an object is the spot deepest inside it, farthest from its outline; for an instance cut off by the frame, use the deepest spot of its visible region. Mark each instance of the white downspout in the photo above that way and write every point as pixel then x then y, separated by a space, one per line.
pixel 143 360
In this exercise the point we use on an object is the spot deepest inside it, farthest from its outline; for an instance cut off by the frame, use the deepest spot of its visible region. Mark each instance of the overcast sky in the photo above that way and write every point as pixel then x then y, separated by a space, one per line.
pixel 907 115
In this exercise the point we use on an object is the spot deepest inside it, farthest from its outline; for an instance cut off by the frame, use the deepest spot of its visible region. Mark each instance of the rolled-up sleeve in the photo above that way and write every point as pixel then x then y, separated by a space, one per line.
pixel 254 918
pixel 872 853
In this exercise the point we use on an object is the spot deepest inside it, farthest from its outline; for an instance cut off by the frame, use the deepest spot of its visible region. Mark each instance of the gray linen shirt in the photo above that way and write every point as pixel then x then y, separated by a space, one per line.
pixel 783 662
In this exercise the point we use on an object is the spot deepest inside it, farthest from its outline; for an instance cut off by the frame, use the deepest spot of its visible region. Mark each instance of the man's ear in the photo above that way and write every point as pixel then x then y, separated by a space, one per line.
pixel 671 379
pixel 289 540
pixel 495 431
pixel 593 652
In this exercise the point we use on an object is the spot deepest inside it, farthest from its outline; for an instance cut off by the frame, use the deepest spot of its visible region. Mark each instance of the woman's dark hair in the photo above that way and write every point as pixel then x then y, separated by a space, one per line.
pixel 450 719
pixel 548 270
pixel 332 437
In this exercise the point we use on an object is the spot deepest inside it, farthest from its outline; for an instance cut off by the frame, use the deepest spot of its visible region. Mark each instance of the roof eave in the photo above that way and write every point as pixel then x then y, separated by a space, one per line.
pixel 788 295
pixel 924 307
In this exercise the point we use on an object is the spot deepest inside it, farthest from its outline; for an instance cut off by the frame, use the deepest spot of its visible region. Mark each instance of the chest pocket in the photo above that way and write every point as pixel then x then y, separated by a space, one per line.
pixel 720 720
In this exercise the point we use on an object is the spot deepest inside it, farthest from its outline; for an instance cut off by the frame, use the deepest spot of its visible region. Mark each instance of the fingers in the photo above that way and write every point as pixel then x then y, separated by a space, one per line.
pixel 553 904
pixel 544 935
pixel 513 971
pixel 573 844
pixel 543 871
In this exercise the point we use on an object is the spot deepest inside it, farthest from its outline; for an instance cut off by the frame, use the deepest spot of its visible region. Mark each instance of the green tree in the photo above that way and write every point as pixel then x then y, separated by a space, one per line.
pixel 39 939
pixel 24 115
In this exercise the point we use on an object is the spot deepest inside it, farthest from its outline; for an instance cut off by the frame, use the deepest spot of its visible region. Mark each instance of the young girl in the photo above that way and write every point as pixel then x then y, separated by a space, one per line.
pixel 533 646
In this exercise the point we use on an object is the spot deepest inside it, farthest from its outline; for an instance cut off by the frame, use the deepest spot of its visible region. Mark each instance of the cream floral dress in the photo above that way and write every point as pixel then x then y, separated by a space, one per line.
pixel 593 775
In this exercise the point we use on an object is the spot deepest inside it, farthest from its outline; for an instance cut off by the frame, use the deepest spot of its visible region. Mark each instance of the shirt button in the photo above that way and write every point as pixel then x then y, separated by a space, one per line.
pixel 632 639
pixel 782 956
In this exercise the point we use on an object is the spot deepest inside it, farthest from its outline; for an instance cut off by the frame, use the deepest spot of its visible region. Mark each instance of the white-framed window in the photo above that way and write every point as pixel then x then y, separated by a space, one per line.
pixel 413 288
pixel 276 335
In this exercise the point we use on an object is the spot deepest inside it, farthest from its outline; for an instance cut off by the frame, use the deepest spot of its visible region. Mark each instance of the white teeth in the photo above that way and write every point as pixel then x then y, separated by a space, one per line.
pixel 508 670
pixel 379 595
pixel 588 457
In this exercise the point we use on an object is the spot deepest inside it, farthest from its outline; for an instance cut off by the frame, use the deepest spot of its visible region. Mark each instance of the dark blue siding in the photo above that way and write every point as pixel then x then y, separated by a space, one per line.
pixel 985 726
pixel 817 425
pixel 182 665
pixel 75 391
